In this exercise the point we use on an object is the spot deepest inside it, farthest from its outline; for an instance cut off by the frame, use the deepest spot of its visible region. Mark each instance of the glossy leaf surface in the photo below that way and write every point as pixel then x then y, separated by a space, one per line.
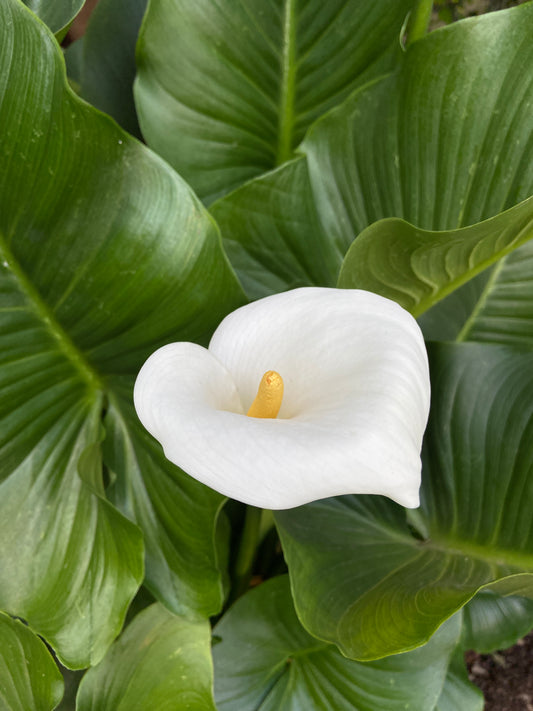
pixel 458 692
pixel 161 662
pixel 98 267
pixel 271 68
pixel 363 580
pixel 492 622
pixel 29 677
pixel 265 659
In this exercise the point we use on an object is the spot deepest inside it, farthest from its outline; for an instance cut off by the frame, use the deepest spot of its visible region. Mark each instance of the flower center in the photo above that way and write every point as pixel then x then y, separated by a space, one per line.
pixel 269 396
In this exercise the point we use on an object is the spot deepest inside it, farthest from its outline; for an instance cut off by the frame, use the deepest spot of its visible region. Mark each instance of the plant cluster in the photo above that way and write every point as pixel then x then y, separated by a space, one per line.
pixel 200 156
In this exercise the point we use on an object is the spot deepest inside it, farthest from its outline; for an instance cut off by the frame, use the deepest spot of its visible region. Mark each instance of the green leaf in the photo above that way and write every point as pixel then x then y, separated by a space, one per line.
pixel 458 692
pixel 496 307
pixel 273 236
pixel 108 62
pixel 363 579
pixel 225 91
pixel 417 267
pixel 161 661
pixel 492 622
pixel 29 677
pixel 178 517
pixel 443 143
pixel 57 14
pixel 265 659
pixel 105 254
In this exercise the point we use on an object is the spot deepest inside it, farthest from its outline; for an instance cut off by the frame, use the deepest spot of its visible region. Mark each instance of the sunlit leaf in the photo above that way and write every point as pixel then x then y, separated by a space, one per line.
pixel 160 662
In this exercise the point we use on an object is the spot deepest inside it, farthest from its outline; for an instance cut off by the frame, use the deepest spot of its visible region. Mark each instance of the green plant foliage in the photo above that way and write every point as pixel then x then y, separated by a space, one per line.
pixel 160 662
pixel 443 143
pixel 273 236
pixel 265 659
pixel 396 587
pixel 102 249
pixel 457 692
pixel 108 59
pixel 57 14
pixel 272 69
pixel 492 622
pixel 29 677
pixel 417 267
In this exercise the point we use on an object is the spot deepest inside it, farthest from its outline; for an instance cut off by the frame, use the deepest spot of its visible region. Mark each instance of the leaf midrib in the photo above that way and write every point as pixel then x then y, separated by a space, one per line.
pixel 47 318
pixel 288 83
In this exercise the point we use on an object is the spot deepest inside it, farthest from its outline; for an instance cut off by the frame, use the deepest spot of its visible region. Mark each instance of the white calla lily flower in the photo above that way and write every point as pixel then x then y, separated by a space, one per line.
pixel 347 370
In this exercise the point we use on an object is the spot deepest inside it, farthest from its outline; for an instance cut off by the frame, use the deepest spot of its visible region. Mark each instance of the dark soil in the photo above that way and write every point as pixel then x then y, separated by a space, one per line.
pixel 506 677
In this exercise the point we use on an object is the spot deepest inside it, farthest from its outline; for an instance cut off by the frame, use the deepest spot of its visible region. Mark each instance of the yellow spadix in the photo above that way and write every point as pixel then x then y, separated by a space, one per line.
pixel 269 396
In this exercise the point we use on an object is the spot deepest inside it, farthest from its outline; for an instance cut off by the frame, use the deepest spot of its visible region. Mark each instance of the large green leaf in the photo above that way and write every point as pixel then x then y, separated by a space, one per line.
pixel 105 255
pixel 29 677
pixel 108 59
pixel 226 90
pixel 160 662
pixel 266 660
pixel 418 267
pixel 444 142
pixel 364 580
pixel 273 236
pixel 57 14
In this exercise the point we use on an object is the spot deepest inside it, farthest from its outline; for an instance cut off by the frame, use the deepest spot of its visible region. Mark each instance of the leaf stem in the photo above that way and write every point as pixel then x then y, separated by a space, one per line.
pixel 247 550
pixel 418 22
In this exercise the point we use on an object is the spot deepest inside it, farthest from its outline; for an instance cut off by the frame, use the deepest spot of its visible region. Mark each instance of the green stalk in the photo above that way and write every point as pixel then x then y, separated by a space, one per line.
pixel 247 550
pixel 418 22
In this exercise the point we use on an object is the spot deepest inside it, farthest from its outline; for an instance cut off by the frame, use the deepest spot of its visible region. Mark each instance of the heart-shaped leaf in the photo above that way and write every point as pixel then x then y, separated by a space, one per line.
pixel 161 661
pixel 225 90
pixel 475 520
pixel 265 659
pixel 417 267
pixel 29 677
pixel 102 248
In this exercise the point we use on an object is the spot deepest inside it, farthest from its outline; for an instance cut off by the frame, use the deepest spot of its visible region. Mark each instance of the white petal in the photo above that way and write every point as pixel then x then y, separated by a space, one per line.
pixel 355 405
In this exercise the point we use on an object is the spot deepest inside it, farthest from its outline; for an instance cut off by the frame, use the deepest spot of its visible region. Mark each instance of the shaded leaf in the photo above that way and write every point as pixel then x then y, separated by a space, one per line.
pixel 475 521
pixel 417 267
pixel 265 659
pixel 458 692
pixel 273 236
pixel 108 62
pixel 492 622
pixel 57 14
pixel 161 661
pixel 225 91
pixel 29 677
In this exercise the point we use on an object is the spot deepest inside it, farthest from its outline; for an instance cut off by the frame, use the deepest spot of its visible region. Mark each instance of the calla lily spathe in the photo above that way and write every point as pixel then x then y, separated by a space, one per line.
pixel 355 400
